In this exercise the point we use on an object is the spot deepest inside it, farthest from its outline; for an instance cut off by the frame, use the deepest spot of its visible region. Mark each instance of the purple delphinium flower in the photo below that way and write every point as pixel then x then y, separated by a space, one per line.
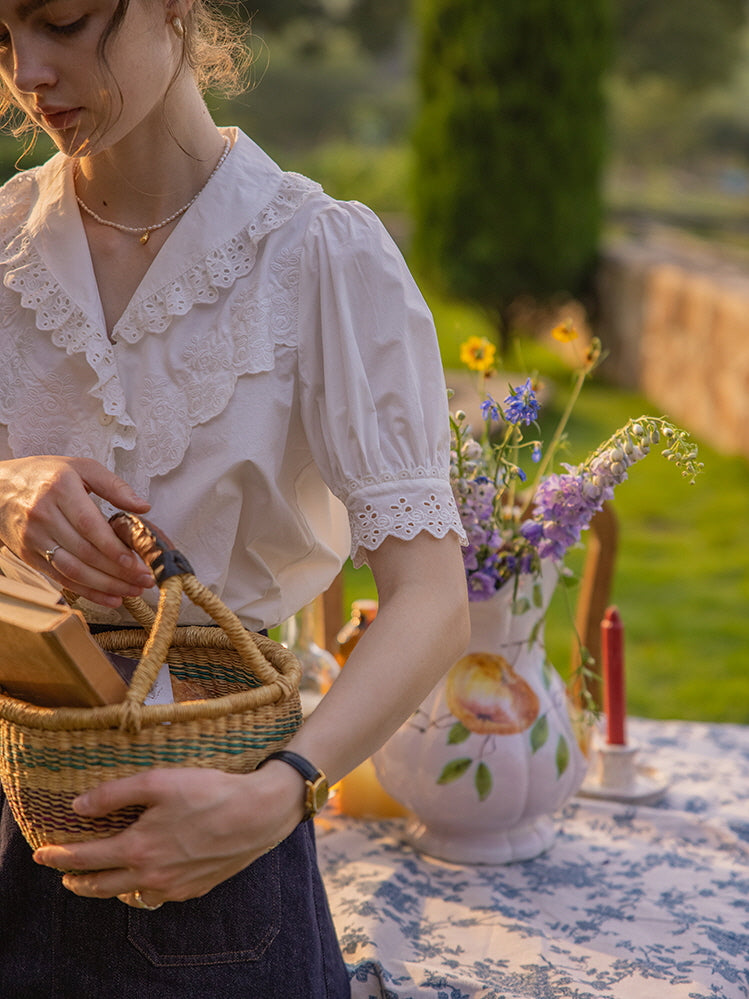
pixel 470 562
pixel 481 585
pixel 562 508
pixel 502 543
pixel 483 495
pixel 490 409
pixel 565 504
pixel 521 405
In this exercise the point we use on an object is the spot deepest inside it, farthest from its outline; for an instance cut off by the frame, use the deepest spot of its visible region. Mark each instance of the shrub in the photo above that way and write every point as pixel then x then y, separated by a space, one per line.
pixel 509 145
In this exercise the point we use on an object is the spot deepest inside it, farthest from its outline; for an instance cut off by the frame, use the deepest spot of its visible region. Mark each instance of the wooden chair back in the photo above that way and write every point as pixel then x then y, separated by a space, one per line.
pixel 593 599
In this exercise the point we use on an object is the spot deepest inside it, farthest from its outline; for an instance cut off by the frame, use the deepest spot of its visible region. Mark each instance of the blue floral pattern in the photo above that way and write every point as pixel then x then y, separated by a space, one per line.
pixel 645 902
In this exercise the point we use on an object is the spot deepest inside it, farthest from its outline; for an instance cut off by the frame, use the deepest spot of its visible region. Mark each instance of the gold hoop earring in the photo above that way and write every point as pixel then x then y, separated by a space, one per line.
pixel 178 27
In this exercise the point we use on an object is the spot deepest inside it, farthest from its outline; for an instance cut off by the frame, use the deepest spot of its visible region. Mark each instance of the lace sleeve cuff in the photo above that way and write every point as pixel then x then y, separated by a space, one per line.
pixel 401 508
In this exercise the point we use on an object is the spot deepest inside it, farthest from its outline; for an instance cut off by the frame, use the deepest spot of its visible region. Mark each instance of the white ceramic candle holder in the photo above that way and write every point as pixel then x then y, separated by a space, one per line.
pixel 617 774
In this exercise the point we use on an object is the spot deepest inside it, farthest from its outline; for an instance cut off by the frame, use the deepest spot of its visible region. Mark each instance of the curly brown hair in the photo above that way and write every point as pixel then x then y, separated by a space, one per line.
pixel 216 47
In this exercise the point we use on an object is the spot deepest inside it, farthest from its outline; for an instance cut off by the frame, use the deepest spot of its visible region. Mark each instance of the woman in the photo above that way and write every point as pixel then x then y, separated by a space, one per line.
pixel 189 331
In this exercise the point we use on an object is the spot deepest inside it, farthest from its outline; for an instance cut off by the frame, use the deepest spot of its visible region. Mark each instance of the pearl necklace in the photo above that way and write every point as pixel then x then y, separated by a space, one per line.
pixel 146 230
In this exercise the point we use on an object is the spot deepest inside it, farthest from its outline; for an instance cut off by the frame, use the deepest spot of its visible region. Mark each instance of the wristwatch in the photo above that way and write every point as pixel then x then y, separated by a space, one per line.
pixel 316 782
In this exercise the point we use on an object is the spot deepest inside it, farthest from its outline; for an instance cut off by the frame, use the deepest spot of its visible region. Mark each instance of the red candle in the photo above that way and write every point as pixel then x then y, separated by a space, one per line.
pixel 612 654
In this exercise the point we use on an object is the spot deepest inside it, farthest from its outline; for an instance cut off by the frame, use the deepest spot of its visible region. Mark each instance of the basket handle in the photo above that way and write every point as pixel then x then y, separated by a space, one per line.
pixel 174 576
pixel 153 546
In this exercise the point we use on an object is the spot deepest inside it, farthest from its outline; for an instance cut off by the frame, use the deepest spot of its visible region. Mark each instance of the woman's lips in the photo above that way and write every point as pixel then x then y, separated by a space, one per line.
pixel 59 120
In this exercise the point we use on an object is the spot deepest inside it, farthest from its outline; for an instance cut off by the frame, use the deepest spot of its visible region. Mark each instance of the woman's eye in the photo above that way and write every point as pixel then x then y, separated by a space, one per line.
pixel 69 29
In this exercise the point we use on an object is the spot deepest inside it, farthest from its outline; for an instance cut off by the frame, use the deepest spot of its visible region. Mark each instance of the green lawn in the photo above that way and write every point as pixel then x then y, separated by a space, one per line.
pixel 682 576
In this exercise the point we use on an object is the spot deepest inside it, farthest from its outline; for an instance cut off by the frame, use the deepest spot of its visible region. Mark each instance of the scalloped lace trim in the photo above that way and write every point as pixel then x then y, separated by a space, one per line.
pixel 402 517
pixel 220 268
pixel 67 325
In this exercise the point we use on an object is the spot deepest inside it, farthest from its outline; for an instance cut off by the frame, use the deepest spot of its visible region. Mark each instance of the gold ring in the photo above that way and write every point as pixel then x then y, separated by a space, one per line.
pixel 142 904
pixel 50 553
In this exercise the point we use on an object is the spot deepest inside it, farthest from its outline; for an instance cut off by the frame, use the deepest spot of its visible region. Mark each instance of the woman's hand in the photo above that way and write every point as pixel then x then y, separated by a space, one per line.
pixel 199 828
pixel 45 506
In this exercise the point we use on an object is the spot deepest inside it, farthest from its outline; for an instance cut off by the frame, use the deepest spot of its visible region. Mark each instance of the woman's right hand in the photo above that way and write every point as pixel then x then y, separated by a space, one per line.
pixel 45 503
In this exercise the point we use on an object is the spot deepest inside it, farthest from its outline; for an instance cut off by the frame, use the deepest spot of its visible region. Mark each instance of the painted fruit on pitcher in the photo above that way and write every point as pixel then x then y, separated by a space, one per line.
pixel 485 693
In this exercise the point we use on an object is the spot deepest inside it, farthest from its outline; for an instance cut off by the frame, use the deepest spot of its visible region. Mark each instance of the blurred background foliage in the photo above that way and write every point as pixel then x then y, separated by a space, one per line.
pixel 695 43
pixel 334 94
pixel 509 145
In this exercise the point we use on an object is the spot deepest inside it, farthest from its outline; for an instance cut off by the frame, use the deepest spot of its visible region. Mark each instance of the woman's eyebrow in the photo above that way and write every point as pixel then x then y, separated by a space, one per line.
pixel 28 7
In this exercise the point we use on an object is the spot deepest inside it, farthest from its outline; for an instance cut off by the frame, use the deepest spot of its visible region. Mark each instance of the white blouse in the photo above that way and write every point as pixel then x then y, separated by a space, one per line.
pixel 276 367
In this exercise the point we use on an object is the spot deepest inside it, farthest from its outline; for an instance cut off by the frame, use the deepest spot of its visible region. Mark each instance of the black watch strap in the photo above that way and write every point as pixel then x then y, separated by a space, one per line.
pixel 315 780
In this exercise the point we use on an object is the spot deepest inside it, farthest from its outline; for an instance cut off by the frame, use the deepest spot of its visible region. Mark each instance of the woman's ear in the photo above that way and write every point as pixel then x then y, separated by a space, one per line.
pixel 178 9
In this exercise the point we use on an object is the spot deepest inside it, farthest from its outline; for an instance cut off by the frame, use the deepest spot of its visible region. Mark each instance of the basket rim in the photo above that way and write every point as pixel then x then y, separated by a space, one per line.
pixel 109 716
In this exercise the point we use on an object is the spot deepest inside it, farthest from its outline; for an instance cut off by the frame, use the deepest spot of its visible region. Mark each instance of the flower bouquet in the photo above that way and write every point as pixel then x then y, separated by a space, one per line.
pixel 512 524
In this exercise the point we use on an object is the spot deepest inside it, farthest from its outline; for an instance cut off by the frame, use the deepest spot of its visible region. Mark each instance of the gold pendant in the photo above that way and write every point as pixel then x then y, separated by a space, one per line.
pixel 145 237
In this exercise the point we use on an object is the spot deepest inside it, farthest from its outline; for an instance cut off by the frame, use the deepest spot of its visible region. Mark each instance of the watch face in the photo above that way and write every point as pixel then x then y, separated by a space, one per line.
pixel 317 795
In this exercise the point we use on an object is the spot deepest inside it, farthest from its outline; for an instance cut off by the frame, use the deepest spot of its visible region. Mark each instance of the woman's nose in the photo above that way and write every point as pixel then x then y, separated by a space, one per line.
pixel 31 70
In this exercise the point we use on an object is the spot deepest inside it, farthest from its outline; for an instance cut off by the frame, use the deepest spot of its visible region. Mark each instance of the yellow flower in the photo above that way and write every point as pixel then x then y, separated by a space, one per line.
pixel 478 353
pixel 565 332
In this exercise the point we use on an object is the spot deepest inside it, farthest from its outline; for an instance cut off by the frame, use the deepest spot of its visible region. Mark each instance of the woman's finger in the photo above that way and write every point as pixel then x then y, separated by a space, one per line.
pixel 98 587
pixel 76 564
pixel 87 533
pixel 48 518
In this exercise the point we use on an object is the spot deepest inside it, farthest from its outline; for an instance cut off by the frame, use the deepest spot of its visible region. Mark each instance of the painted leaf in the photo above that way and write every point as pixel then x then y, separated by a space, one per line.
pixel 539 733
pixel 483 781
pixel 563 755
pixel 538 595
pixel 547 673
pixel 521 606
pixel 454 769
pixel 458 733
pixel 533 637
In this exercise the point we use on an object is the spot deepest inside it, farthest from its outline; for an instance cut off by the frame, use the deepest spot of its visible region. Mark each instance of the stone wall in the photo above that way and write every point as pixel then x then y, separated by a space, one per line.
pixel 674 317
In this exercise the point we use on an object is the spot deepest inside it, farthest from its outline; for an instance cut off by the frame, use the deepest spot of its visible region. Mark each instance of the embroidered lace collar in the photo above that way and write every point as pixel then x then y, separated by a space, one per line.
pixel 48 271
pixel 210 247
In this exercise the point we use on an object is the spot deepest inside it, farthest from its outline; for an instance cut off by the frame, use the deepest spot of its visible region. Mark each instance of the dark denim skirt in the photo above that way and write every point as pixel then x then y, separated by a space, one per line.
pixel 266 933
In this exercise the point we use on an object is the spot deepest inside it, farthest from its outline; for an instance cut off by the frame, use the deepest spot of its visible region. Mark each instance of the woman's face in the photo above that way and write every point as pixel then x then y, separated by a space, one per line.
pixel 49 61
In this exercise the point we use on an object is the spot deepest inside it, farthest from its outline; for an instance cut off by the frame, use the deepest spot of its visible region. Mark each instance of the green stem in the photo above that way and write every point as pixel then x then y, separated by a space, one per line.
pixel 561 427
pixel 458 444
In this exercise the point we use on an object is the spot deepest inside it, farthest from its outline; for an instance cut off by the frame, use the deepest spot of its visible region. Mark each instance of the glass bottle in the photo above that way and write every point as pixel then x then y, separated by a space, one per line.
pixel 359 794
pixel 363 612
pixel 319 667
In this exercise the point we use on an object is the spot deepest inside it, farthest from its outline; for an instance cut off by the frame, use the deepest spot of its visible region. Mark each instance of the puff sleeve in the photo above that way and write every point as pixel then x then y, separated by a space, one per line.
pixel 373 396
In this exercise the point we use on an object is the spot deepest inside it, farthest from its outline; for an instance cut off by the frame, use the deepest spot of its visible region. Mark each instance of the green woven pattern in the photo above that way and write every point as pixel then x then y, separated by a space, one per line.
pixel 140 751
pixel 42 772
pixel 216 678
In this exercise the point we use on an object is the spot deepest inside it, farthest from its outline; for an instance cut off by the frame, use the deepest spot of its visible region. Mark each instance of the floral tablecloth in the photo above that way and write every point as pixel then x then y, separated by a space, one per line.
pixel 647 902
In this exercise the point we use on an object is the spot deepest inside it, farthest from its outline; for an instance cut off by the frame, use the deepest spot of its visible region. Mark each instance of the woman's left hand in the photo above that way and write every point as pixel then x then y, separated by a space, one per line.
pixel 199 828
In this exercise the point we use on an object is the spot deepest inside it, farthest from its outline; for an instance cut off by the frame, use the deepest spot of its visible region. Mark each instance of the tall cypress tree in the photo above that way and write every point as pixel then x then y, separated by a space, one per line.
pixel 509 145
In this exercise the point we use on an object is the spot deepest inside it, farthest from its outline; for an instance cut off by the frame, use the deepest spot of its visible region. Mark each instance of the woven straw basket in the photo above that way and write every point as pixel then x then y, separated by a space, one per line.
pixel 244 705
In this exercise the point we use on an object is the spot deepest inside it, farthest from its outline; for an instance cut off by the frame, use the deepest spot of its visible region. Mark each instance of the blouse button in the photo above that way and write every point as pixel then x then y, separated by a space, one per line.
pixel 105 419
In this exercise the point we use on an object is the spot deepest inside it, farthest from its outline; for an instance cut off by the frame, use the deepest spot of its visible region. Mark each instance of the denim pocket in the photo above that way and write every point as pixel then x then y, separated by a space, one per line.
pixel 235 922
